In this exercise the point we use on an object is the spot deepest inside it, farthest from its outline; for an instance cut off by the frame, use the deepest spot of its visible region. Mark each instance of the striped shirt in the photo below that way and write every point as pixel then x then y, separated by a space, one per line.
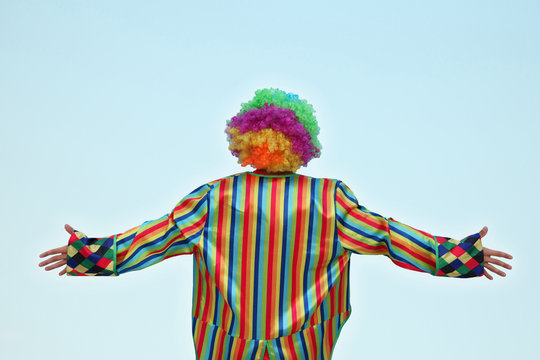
pixel 271 260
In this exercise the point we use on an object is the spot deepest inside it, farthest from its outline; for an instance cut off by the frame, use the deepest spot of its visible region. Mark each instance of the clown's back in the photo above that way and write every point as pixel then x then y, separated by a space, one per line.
pixel 271 276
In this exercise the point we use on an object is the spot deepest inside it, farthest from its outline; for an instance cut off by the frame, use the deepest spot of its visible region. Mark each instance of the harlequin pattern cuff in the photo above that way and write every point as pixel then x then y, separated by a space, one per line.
pixel 91 256
pixel 461 259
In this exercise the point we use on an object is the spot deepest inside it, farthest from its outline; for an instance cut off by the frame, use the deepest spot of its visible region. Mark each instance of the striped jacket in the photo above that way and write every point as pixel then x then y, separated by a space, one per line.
pixel 271 260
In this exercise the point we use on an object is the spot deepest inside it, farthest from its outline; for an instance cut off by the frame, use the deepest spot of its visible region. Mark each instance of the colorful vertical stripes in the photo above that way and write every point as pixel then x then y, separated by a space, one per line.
pixel 271 261
pixel 268 256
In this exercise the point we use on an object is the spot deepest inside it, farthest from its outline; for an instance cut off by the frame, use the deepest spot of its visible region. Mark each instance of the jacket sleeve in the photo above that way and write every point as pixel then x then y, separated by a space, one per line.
pixel 172 234
pixel 364 232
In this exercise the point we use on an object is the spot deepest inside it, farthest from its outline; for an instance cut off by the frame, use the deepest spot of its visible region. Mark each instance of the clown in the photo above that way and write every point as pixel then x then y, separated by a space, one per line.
pixel 272 248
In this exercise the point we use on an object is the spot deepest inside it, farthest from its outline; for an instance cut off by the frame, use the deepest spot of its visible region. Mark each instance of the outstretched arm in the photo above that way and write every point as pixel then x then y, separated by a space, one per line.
pixel 365 232
pixel 173 234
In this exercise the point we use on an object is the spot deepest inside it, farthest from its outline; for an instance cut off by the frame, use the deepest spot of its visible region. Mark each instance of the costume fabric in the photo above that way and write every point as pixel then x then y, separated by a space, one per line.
pixel 271 260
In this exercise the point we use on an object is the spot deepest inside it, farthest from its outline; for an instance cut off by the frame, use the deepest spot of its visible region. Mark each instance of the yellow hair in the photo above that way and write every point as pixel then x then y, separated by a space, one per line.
pixel 266 149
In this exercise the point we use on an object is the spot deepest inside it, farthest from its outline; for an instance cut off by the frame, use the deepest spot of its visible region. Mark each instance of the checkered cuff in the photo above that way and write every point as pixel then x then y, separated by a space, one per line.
pixel 91 256
pixel 462 259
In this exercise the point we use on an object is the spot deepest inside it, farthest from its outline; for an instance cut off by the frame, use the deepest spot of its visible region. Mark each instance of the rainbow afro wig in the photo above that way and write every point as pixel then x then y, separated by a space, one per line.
pixel 275 131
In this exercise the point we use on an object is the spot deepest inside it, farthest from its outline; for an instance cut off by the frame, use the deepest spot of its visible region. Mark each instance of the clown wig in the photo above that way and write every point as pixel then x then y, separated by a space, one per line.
pixel 275 131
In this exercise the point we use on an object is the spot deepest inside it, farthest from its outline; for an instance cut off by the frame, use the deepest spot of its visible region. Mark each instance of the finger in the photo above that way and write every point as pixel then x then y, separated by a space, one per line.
pixel 53 259
pixel 495 270
pixel 483 232
pixel 490 260
pixel 69 229
pixel 56 265
pixel 60 250
pixel 62 272
pixel 490 252
pixel 488 275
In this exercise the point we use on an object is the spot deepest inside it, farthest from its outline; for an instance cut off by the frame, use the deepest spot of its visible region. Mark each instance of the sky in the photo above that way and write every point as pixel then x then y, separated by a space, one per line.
pixel 112 111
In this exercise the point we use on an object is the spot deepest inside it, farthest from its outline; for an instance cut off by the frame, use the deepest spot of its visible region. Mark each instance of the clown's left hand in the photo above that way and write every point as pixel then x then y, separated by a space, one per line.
pixel 60 255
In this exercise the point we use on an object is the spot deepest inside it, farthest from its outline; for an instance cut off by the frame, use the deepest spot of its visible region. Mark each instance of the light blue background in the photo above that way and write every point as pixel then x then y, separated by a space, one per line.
pixel 111 111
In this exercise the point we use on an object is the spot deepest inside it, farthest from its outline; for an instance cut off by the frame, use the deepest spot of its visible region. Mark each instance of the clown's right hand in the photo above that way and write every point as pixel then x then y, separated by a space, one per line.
pixel 58 256
pixel 490 261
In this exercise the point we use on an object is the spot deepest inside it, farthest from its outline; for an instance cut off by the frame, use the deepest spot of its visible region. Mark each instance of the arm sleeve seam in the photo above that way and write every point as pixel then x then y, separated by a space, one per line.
pixel 115 272
pixel 210 187
pixel 338 183
pixel 436 256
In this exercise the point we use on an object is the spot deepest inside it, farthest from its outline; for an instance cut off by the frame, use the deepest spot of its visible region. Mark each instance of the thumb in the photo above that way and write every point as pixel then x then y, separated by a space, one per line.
pixel 483 232
pixel 69 229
